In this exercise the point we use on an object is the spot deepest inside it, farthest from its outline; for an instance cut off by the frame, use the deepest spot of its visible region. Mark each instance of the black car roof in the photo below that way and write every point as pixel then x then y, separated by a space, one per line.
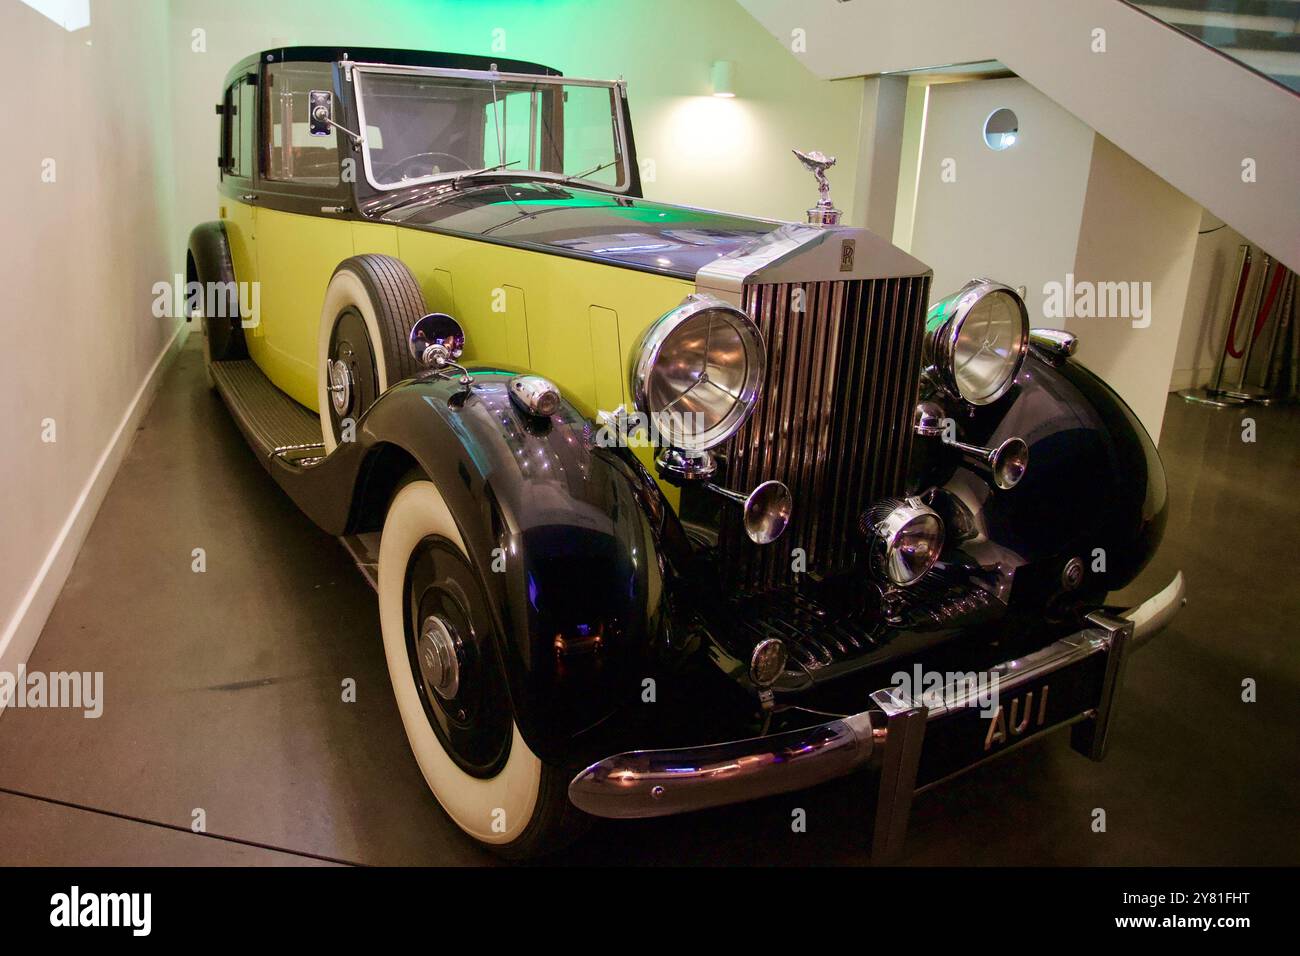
pixel 369 54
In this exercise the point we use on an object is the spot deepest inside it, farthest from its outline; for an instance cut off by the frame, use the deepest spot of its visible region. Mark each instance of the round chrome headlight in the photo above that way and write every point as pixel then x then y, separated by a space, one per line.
pixel 698 372
pixel 905 539
pixel 976 340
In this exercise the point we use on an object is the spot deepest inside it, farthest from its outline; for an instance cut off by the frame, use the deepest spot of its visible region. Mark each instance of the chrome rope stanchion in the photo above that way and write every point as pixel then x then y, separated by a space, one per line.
pixel 1212 394
pixel 1260 314
pixel 1288 299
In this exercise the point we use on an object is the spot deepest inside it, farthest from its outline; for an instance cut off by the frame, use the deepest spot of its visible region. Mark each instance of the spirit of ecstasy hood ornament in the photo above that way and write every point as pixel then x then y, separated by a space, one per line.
pixel 817 162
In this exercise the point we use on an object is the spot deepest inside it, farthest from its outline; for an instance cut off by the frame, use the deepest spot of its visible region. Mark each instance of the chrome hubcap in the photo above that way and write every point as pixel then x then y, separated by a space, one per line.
pixel 439 662
pixel 340 386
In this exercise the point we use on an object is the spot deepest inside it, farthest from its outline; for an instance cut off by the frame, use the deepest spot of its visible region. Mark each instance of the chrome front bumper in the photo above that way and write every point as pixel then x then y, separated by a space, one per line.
pixel 888 736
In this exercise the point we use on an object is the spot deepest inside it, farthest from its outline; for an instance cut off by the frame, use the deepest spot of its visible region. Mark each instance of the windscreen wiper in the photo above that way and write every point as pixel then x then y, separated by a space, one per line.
pixel 587 172
pixel 432 190
pixel 469 173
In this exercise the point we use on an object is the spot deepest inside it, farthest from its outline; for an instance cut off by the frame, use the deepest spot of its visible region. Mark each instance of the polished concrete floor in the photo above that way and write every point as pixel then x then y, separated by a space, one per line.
pixel 223 693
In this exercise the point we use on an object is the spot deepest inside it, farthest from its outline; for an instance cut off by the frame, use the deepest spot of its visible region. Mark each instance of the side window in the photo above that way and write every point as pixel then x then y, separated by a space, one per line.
pixel 227 110
pixel 293 154
pixel 245 128
pixel 239 131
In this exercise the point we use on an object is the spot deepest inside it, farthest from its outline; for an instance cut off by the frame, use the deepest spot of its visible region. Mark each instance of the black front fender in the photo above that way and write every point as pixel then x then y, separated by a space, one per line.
pixel 574 542
pixel 1094 490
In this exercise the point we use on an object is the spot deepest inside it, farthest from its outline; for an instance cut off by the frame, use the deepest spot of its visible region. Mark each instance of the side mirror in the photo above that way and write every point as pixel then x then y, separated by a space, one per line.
pixel 436 341
pixel 320 112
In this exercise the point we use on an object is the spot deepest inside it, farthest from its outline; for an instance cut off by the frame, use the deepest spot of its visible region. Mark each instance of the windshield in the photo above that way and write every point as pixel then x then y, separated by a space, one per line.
pixel 422 127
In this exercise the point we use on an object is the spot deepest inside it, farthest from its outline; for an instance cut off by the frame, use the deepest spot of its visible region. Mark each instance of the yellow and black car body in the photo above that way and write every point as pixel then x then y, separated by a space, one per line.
pixel 606 609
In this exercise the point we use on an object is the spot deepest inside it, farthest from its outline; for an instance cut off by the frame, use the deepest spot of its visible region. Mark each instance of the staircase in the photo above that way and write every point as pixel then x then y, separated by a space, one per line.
pixel 1263 35
pixel 1201 92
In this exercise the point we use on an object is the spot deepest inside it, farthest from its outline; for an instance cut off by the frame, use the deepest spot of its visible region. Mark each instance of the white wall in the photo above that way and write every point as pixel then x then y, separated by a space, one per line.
pixel 1061 202
pixel 78 260
pixel 1012 215
pixel 909 163
pixel 1136 228
pixel 730 154
pixel 1209 299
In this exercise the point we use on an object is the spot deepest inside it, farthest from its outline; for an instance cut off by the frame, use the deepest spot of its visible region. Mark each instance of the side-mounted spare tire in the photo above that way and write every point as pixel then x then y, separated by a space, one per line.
pixel 371 303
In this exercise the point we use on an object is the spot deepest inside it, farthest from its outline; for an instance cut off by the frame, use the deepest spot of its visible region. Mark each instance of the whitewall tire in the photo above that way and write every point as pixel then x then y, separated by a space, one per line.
pixel 509 803
pixel 371 303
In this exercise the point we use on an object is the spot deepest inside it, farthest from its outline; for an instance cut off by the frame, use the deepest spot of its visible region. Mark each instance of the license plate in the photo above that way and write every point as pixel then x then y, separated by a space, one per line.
pixel 965 736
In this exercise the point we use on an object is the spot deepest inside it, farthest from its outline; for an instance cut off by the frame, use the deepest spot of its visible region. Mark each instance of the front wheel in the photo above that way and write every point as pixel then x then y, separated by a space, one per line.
pixel 450 685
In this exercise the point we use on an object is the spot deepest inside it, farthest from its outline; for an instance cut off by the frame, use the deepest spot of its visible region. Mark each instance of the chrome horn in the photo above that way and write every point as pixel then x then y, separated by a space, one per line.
pixel 1008 462
pixel 767 509
pixel 436 341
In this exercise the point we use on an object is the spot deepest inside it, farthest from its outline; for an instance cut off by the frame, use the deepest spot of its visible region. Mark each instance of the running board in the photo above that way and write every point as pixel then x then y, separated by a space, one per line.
pixel 274 424
pixel 287 440
pixel 364 549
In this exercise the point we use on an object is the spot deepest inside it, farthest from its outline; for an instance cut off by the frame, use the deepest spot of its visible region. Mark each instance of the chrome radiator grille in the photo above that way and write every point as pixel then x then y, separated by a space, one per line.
pixel 834 419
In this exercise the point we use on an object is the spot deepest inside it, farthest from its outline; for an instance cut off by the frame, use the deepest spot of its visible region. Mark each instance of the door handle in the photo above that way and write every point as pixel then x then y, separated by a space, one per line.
pixel 248 197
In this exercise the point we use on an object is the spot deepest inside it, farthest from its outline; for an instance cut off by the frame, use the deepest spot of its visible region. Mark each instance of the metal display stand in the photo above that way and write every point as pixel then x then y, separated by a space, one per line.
pixel 1219 395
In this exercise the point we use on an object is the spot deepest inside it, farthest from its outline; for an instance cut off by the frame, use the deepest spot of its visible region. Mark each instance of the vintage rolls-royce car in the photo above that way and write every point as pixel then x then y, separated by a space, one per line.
pixel 665 508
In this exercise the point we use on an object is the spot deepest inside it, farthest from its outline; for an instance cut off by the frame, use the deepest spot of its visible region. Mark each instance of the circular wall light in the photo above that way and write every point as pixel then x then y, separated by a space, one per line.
pixel 1001 129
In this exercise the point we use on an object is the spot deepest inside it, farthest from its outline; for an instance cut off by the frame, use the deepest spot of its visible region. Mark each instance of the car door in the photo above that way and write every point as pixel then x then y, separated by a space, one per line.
pixel 301 231
pixel 238 185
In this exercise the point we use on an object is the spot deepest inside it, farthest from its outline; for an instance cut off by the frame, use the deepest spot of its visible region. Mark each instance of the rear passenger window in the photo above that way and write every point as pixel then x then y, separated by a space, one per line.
pixel 241 130
pixel 293 154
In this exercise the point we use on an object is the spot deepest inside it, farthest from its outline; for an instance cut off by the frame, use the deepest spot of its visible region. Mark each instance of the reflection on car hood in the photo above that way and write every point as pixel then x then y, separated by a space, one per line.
pixel 587 223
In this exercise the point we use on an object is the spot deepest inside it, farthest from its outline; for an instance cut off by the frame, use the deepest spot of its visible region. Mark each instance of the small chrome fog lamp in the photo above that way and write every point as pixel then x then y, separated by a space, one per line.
pixel 906 537
pixel 535 395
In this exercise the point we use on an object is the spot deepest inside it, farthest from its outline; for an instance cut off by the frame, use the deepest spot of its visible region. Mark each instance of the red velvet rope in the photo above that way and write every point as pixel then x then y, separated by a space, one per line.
pixel 1236 308
pixel 1262 316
